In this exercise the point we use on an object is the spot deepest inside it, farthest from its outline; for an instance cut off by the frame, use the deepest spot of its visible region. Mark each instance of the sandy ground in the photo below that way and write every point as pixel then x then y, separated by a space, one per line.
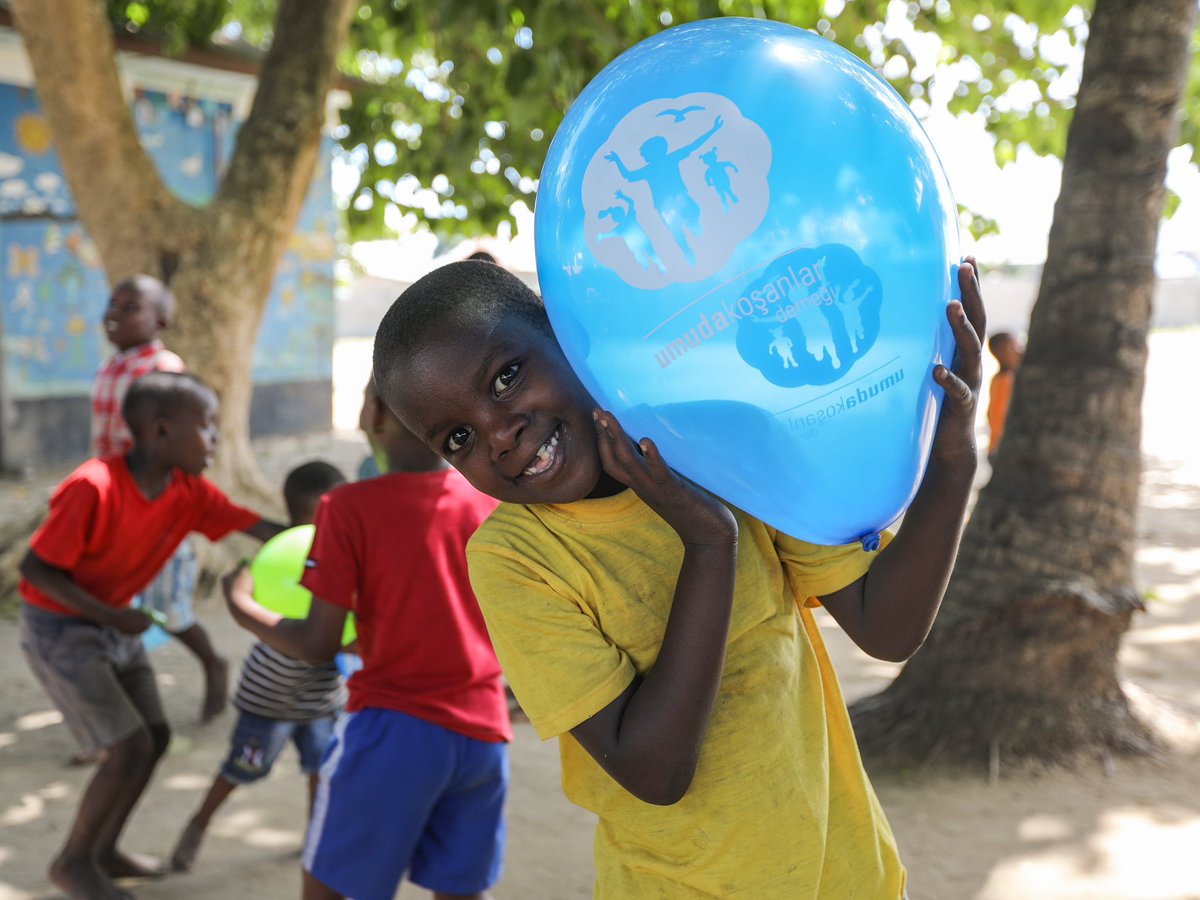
pixel 1129 830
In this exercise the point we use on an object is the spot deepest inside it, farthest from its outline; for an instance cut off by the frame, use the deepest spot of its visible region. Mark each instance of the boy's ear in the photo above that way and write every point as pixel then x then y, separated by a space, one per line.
pixel 376 413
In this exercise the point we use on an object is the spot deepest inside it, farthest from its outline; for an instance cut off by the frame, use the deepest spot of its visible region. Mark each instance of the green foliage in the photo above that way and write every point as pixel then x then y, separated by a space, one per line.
pixel 977 225
pixel 177 24
pixel 459 98
pixel 180 24
pixel 1171 204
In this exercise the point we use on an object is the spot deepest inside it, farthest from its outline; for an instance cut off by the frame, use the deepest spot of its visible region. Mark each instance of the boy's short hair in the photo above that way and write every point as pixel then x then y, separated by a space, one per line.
pixel 305 484
pixel 157 395
pixel 457 295
pixel 153 290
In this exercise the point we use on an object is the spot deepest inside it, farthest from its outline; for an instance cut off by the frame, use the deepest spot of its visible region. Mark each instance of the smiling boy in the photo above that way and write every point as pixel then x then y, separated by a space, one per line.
pixel 666 639
pixel 138 311
pixel 113 523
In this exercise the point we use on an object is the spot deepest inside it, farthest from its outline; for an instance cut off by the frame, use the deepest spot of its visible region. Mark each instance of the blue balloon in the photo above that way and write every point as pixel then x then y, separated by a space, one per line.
pixel 746 245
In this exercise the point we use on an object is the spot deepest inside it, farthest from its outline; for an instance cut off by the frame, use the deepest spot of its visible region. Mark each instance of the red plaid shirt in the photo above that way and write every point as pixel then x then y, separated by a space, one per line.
pixel 110 434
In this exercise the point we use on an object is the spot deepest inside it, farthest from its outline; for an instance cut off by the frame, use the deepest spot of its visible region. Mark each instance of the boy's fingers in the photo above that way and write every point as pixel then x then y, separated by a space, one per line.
pixel 972 296
pixel 653 461
pixel 622 444
pixel 956 389
pixel 650 451
pixel 604 444
pixel 615 457
pixel 968 356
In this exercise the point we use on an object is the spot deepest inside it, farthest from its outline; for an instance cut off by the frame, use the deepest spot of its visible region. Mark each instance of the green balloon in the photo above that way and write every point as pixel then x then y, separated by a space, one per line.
pixel 277 570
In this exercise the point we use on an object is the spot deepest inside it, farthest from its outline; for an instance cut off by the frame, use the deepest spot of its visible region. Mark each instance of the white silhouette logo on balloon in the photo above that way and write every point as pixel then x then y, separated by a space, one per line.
pixel 807 317
pixel 677 186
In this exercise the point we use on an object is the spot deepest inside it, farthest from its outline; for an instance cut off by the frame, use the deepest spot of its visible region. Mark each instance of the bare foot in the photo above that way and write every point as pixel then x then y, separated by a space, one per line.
pixel 132 865
pixel 189 845
pixel 80 879
pixel 216 689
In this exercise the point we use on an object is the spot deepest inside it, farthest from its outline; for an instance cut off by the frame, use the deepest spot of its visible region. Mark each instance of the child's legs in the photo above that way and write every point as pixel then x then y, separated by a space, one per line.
pixel 312 889
pixel 171 595
pixel 461 851
pixel 114 789
pixel 97 677
pixel 183 857
pixel 36 627
pixel 382 780
pixel 254 746
pixel 312 739
pixel 139 683
pixel 218 793
pixel 101 680
pixel 76 869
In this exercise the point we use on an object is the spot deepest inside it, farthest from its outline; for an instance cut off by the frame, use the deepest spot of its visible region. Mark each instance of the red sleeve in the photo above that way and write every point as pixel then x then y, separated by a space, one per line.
pixel 333 566
pixel 216 515
pixel 63 536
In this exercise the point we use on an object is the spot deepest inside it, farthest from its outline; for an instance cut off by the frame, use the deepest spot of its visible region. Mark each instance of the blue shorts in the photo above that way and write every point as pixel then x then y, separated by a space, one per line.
pixel 257 742
pixel 401 795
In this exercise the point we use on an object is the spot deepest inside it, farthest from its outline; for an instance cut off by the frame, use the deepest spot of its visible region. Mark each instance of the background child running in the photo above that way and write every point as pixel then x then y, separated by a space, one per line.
pixel 279 697
pixel 112 524
pixel 1009 350
pixel 663 637
pixel 415 778
pixel 138 311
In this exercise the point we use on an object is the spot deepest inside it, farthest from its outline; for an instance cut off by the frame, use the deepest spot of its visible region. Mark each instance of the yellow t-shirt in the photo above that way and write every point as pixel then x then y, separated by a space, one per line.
pixel 576 599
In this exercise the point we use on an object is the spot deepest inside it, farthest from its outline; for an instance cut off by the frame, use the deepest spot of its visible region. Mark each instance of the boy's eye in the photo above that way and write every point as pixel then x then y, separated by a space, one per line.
pixel 458 439
pixel 505 379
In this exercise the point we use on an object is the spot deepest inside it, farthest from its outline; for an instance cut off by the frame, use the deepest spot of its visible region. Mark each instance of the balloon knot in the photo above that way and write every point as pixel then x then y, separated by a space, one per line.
pixel 871 542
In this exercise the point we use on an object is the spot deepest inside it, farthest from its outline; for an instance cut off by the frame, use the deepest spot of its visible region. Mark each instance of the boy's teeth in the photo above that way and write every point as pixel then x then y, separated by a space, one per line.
pixel 545 456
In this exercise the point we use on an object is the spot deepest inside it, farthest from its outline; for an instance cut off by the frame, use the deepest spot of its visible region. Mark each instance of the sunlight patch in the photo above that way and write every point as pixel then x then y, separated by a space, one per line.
pixel 186 782
pixel 35 720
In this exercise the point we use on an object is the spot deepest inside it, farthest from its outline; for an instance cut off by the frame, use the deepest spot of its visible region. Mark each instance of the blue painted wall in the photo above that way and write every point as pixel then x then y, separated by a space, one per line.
pixel 53 289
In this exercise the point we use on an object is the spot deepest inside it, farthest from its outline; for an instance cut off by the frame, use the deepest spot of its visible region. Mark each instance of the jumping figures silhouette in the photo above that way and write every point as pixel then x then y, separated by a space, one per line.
pixel 672 200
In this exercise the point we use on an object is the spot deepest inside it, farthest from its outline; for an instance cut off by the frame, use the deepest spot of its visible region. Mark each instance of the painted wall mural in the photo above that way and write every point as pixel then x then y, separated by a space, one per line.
pixel 53 288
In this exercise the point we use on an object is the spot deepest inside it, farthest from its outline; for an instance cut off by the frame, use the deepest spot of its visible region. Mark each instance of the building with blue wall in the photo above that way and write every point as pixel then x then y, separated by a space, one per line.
pixel 53 289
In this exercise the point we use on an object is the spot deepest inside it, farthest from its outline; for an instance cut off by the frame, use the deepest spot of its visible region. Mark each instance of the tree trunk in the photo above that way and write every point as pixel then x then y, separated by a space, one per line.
pixel 1022 662
pixel 219 259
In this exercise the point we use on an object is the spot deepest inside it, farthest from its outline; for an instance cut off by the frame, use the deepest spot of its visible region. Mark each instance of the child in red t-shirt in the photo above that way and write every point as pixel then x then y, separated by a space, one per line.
pixel 113 523
pixel 428 702
pixel 138 312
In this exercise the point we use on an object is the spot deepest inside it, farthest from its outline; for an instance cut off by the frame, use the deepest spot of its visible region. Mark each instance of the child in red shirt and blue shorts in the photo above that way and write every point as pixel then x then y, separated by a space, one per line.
pixel 113 523
pixel 415 779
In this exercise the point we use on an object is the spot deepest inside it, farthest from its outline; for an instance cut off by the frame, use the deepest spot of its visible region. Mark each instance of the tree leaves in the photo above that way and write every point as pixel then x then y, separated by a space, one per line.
pixel 461 97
